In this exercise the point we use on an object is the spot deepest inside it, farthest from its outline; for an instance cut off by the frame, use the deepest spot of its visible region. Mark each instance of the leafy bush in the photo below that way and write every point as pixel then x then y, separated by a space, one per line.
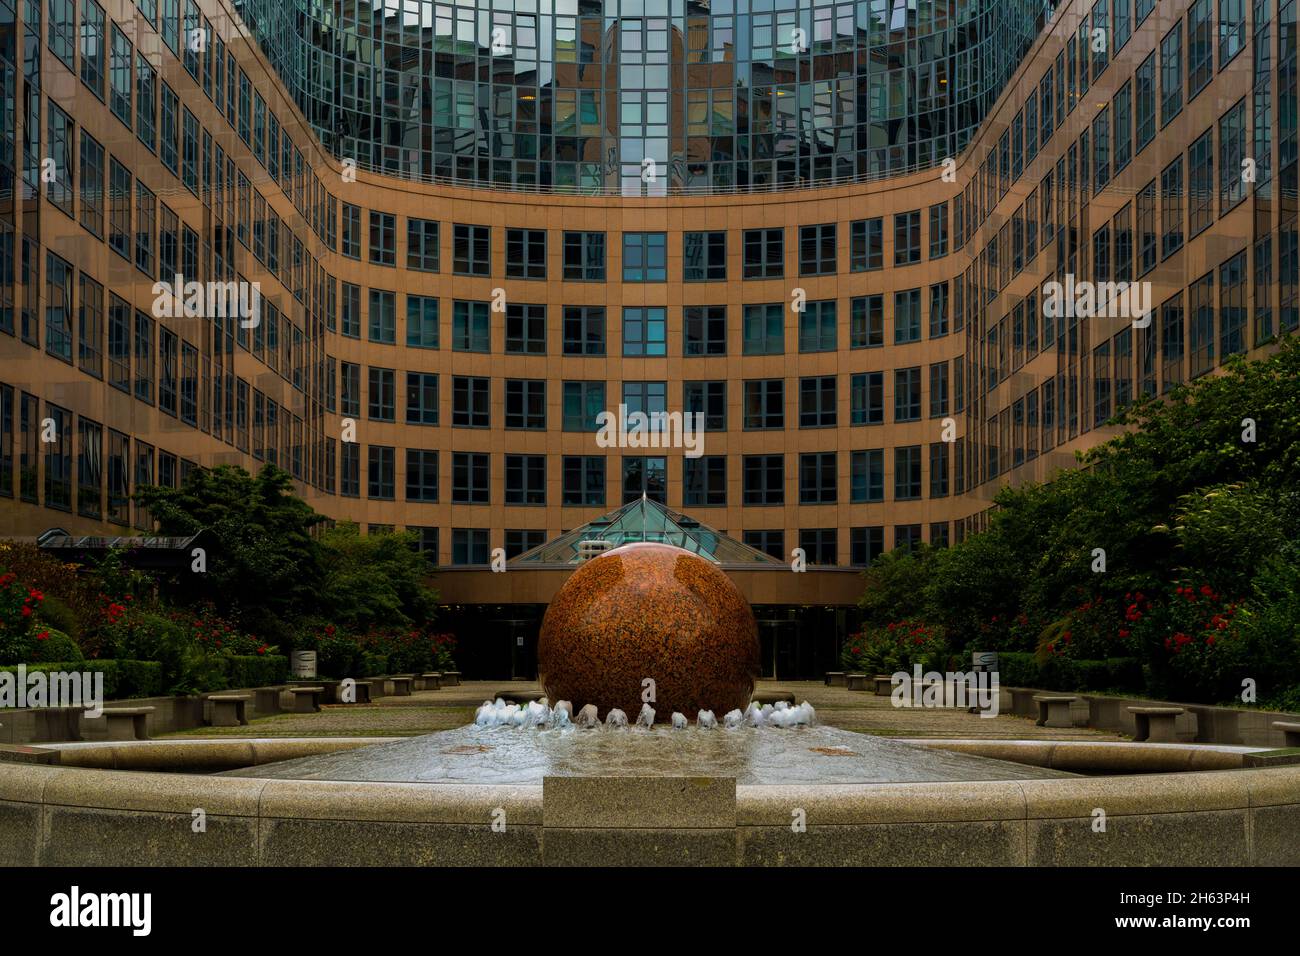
pixel 257 670
pixel 897 646
pixel 52 645
pixel 122 678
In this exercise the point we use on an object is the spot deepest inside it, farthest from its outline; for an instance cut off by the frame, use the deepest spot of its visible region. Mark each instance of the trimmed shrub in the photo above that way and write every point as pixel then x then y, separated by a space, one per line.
pixel 373 665
pixel 122 678
pixel 52 645
pixel 256 671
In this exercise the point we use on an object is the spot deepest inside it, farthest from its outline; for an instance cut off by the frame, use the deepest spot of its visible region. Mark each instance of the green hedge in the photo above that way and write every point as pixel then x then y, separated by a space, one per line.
pixel 122 678
pixel 374 665
pixel 256 670
pixel 1020 669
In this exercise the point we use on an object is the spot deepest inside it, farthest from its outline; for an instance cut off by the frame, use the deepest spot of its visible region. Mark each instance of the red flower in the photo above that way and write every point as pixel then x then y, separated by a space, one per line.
pixel 1206 590
pixel 27 612
pixel 44 635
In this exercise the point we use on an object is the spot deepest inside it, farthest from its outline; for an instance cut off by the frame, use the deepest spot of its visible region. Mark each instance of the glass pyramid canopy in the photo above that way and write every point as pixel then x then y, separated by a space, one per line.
pixel 646 520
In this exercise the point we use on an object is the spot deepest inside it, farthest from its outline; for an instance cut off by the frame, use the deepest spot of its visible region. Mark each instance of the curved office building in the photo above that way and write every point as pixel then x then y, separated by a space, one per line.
pixel 476 226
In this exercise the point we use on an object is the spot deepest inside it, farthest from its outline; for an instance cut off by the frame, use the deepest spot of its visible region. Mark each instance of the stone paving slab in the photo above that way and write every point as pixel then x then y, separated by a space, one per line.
pixel 428 711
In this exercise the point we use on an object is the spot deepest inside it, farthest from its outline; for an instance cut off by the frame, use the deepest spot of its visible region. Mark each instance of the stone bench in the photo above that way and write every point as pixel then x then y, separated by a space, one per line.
pixel 361 690
pixel 451 678
pixel 57 723
pixel 884 685
pixel 1290 732
pixel 402 686
pixel 855 681
pixel 267 700
pixel 1054 710
pixel 430 681
pixel 229 710
pixel 773 697
pixel 127 723
pixel 1156 724
pixel 306 700
pixel 378 687
pixel 835 678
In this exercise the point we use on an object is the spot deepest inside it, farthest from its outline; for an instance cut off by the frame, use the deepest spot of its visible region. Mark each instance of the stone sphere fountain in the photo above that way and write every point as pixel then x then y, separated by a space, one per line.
pixel 650 611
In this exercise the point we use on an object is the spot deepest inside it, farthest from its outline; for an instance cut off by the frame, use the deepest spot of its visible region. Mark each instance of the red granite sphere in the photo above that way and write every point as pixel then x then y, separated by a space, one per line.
pixel 655 611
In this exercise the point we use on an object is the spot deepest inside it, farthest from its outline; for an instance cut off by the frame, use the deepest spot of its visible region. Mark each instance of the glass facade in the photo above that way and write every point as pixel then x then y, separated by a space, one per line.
pixel 645 96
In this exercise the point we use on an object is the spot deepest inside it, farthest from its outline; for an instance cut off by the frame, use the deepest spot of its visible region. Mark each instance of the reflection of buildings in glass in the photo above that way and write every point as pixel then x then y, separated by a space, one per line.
pixel 588 95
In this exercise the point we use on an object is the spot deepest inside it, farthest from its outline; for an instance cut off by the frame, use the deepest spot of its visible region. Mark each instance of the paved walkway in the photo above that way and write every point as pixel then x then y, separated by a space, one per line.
pixel 426 711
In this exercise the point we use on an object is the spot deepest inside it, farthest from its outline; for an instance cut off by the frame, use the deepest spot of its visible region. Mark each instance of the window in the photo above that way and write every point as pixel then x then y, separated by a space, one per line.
pixel 704 481
pixel 1200 184
pixel 764 253
pixel 1101 147
pixel 939 389
pixel 92 46
pixel 146 101
pixel 58 459
pixel 907 316
pixel 765 403
pixel 817 477
pixel 907 473
pixel 819 545
pixel 383 238
pixel 92 185
pixel 168 127
pixel 907 237
pixel 119 343
pixel 646 476
pixel 938 310
pixel 525 479
pixel 1200 315
pixel 584 330
pixel 817 401
pixel 383 394
pixel 939 230
pixel 770 542
pixel 582 404
pixel 349 465
pixel 1172 341
pixel 867 476
pixel 1232 152
pixel 704 256
pixel 144 358
pixel 469 546
pixel 907 394
pixel 471 250
pixel 383 316
pixel 381 472
pixel 584 481
pixel 1232 306
pixel 584 256
pixel 422 245
pixel 867 321
pixel 1123 126
pixel 350 319
pixel 526 328
pixel 645 257
pixel 470 474
pixel 865 545
pixel 867 245
pixel 120 75
pixel 60 131
pixel 645 331
pixel 1200 47
pixel 867 398
pixel 351 245
pixel 526 253
pixel 939 469
pixel 763 329
pixel 421 398
pixel 1146 102
pixel 169 358
pixel 817 250
pixel 1171 208
pixel 707 399
pixel 1146 227
pixel 471 402
pixel 58 307
pixel 1171 74
pixel 520 540
pixel 764 479
pixel 470 327
pixel 1232 29
pixel 90 326
pixel 704 330
pixel 526 403
pixel 421 322
pixel 421 475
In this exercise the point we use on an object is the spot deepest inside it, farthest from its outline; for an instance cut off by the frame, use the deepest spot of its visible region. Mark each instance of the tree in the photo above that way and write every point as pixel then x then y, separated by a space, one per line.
pixel 262 565
pixel 374 581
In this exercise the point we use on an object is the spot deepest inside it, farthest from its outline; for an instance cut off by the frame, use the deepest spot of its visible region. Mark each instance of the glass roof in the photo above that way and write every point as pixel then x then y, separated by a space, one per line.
pixel 646 520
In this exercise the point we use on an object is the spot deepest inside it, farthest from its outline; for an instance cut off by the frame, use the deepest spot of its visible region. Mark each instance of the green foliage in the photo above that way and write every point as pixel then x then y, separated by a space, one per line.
pixel 1179 500
pixel 897 646
pixel 262 562
pixel 256 670
pixel 375 580
pixel 122 678
pixel 54 645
